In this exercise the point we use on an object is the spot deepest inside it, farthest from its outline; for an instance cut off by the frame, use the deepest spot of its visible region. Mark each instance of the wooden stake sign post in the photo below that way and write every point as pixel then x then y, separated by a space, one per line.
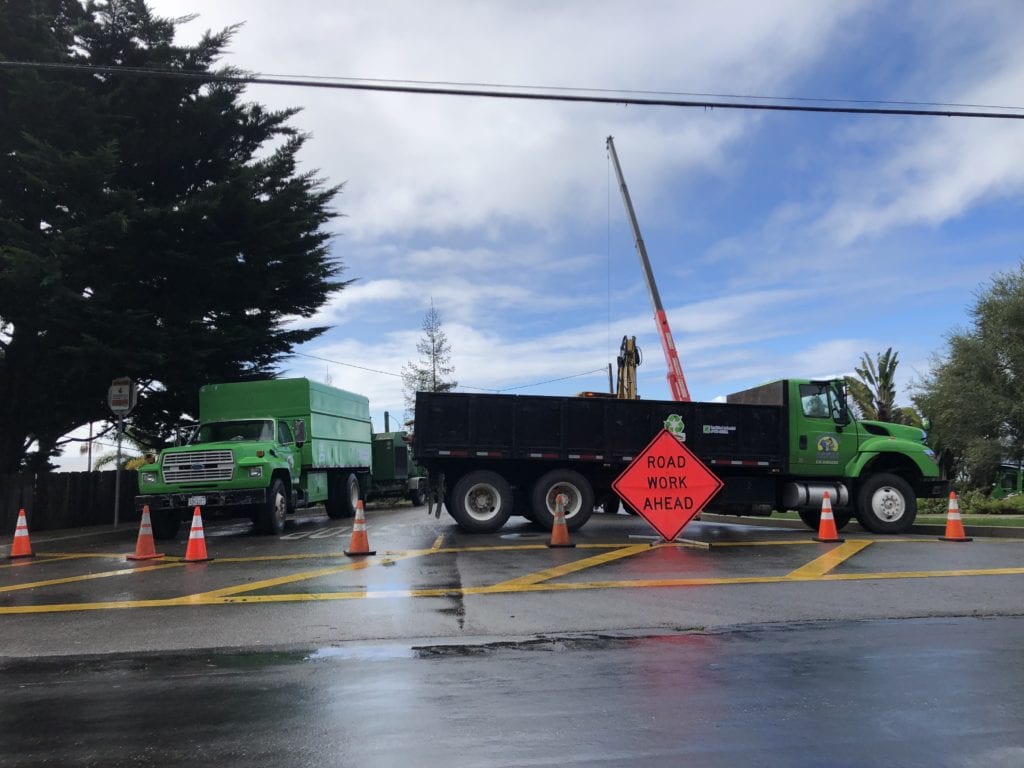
pixel 667 485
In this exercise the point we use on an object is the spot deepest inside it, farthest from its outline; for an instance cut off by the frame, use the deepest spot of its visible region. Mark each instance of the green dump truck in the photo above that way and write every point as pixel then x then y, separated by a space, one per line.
pixel 779 446
pixel 263 449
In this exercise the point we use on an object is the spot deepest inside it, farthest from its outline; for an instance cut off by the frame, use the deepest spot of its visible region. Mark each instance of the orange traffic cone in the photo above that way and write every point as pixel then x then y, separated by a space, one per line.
pixel 559 531
pixel 21 546
pixel 954 525
pixel 359 544
pixel 145 547
pixel 827 527
pixel 196 550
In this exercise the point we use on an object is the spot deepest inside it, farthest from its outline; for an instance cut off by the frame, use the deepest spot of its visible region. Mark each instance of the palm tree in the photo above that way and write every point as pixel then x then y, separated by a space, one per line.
pixel 133 454
pixel 874 388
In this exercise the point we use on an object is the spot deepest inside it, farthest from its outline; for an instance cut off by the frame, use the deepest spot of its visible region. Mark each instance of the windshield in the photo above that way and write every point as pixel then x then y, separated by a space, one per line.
pixel 222 431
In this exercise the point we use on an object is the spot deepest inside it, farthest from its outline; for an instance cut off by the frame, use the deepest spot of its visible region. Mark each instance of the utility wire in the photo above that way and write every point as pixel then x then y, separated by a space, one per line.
pixel 533 95
pixel 465 386
pixel 582 89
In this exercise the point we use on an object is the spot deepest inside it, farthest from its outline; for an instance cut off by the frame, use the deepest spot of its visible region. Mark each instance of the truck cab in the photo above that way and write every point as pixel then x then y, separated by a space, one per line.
pixel 249 467
pixel 873 470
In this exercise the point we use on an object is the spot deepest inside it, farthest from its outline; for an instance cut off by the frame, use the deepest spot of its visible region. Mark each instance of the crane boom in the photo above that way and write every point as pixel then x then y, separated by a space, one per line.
pixel 676 380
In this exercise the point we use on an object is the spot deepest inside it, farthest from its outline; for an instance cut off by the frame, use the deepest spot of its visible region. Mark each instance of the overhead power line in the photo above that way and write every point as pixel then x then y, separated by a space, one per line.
pixel 534 94
pixel 461 386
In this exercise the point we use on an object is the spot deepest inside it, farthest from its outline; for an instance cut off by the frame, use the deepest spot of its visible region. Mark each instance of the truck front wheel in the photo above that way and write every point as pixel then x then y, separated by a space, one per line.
pixel 481 502
pixel 886 504
pixel 271 517
pixel 571 484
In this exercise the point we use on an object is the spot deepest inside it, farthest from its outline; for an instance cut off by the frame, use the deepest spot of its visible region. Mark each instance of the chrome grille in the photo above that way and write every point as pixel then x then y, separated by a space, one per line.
pixel 198 465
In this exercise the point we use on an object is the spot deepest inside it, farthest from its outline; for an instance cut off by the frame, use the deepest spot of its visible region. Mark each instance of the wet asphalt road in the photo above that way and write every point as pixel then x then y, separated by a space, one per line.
pixel 446 650
pixel 934 692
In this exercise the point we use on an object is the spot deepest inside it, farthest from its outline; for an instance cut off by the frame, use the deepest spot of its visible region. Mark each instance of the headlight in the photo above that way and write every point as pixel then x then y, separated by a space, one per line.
pixel 148 477
pixel 255 471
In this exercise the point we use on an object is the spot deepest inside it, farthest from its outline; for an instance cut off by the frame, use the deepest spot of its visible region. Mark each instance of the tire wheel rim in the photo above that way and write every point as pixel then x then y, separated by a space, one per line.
pixel 280 509
pixel 353 495
pixel 571 492
pixel 888 504
pixel 482 502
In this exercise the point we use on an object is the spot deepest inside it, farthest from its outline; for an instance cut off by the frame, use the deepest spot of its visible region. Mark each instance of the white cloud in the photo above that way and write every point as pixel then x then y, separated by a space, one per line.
pixel 447 164
pixel 782 246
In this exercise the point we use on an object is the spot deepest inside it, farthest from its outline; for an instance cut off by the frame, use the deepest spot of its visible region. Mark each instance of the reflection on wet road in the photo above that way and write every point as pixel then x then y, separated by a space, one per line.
pixel 931 692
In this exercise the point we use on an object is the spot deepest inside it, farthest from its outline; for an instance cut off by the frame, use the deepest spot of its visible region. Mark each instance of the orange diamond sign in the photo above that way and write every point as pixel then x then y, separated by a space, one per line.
pixel 667 485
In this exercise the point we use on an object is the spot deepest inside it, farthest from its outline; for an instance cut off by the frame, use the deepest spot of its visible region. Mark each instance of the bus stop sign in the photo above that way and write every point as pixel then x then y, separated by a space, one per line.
pixel 121 396
pixel 667 485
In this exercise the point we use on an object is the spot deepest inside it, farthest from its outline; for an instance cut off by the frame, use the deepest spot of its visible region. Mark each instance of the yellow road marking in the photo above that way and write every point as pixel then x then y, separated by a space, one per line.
pixel 818 570
pixel 827 562
pixel 252 586
pixel 215 599
pixel 89 576
pixel 513 585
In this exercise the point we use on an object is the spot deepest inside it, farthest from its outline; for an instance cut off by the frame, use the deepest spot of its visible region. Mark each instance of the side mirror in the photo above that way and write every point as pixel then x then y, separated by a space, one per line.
pixel 299 428
pixel 926 423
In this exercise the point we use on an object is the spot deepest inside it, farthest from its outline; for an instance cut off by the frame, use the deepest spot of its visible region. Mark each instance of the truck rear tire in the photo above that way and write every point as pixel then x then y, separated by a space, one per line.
pixel 165 525
pixel 481 502
pixel 342 495
pixel 565 481
pixel 886 504
pixel 271 516
pixel 418 497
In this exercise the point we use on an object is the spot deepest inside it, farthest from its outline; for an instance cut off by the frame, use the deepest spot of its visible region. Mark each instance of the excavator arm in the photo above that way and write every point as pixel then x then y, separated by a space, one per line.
pixel 628 360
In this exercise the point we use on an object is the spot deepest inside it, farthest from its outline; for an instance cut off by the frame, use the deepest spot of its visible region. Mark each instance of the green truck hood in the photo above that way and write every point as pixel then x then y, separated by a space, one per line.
pixel 883 437
pixel 241 449
pixel 245 452
pixel 887 429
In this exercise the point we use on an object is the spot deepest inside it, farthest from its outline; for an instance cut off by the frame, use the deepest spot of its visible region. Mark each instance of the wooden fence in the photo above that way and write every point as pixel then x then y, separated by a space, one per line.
pixel 65 499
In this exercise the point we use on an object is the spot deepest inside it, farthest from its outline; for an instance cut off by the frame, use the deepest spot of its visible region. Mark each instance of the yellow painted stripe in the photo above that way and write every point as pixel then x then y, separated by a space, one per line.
pixel 437 543
pixel 42 558
pixel 513 585
pixel 356 565
pixel 781 543
pixel 90 576
pixel 827 562
pixel 213 599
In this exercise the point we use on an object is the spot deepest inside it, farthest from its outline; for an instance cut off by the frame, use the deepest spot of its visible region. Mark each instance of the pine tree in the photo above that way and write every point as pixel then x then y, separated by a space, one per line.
pixel 145 229
pixel 431 373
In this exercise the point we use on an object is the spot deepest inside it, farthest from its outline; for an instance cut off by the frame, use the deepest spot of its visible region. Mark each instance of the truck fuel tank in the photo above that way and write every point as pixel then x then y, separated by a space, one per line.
pixel 810 495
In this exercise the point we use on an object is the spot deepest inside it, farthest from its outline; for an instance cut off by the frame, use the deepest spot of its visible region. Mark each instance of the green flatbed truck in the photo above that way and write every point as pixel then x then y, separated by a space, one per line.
pixel 264 449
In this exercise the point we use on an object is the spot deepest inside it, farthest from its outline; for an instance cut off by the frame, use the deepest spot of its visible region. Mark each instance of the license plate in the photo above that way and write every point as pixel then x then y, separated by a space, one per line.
pixel 197 501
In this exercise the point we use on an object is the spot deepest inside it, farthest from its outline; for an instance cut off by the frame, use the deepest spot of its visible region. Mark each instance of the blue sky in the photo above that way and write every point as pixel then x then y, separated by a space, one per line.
pixel 783 244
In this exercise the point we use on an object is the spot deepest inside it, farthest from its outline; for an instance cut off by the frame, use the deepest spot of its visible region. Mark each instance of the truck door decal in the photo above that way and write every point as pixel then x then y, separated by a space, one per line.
pixel 828 449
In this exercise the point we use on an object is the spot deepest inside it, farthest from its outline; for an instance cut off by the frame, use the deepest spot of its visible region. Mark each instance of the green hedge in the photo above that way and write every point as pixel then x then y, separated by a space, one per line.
pixel 974 503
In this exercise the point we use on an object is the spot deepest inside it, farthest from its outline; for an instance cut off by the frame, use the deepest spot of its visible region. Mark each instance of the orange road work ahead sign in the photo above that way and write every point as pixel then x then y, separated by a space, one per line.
pixel 667 485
